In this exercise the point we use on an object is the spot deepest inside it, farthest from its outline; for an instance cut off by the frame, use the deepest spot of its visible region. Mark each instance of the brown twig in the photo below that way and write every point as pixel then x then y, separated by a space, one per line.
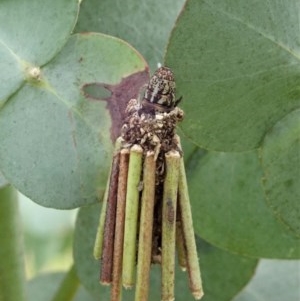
pixel 119 229
pixel 109 226
pixel 98 246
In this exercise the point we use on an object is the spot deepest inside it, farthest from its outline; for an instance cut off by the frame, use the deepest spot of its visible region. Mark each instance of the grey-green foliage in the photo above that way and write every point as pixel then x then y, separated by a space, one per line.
pixel 237 67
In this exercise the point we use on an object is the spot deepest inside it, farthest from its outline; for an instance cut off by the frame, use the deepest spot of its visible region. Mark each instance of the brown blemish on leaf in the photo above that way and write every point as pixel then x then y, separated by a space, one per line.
pixel 121 93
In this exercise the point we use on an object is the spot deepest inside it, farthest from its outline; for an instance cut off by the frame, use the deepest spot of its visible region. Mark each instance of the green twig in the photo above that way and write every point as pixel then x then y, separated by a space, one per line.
pixel 12 272
pixel 68 287
pixel 169 224
pixel 189 236
pixel 99 236
pixel 131 215
pixel 180 243
pixel 146 226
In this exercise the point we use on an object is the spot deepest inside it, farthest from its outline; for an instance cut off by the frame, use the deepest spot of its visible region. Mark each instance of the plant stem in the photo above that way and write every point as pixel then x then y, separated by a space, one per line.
pixel 169 224
pixel 109 225
pixel 119 229
pixel 189 236
pixel 68 287
pixel 180 243
pixel 131 215
pixel 12 272
pixel 146 227
pixel 100 230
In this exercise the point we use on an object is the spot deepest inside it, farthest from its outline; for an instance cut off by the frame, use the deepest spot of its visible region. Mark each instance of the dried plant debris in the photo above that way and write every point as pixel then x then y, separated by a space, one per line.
pixel 146 214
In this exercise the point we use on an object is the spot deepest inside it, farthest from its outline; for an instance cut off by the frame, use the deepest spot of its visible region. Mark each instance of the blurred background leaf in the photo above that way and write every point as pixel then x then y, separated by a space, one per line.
pixel 48 237
pixel 275 280
pixel 43 287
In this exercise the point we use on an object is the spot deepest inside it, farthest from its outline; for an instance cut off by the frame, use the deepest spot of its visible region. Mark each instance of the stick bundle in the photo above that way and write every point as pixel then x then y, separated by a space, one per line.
pixel 146 217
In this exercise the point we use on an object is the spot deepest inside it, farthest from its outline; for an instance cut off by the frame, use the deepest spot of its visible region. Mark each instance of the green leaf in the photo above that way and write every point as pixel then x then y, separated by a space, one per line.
pixel 144 24
pixel 187 145
pixel 10 73
pixel 32 32
pixel 55 140
pixel 237 66
pixel 217 266
pixel 274 280
pixel 43 287
pixel 229 208
pixel 280 160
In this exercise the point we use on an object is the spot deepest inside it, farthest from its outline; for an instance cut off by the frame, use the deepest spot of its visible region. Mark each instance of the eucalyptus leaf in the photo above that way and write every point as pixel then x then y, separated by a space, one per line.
pixel 56 141
pixel 281 163
pixel 145 24
pixel 10 73
pixel 224 274
pixel 237 66
pixel 32 32
pixel 229 206
pixel 188 147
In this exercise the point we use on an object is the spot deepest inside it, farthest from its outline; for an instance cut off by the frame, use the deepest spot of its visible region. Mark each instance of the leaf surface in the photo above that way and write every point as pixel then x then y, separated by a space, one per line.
pixel 31 34
pixel 281 163
pixel 237 66
pixel 229 206
pixel 56 140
